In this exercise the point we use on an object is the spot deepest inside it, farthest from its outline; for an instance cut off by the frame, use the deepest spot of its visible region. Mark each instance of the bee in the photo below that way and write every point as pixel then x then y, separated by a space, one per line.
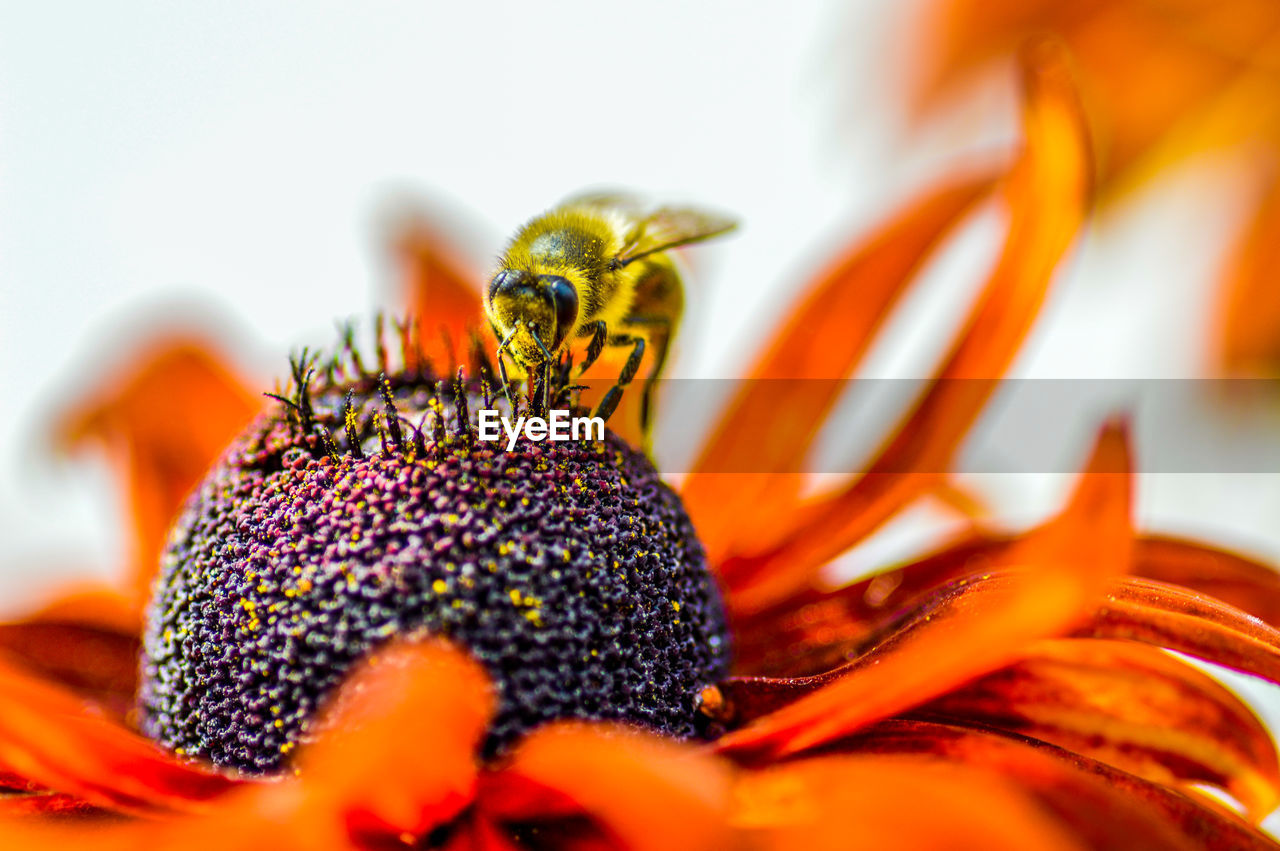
pixel 595 269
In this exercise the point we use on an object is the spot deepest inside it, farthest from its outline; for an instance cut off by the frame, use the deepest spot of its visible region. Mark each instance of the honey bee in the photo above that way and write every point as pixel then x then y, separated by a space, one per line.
pixel 594 268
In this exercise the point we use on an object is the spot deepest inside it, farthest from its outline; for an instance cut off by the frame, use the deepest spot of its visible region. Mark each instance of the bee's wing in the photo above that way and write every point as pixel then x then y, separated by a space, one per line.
pixel 668 227
pixel 608 199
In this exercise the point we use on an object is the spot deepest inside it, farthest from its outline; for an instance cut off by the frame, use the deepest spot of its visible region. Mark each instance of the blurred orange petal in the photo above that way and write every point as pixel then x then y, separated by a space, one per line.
pixel 1110 809
pixel 890 803
pixel 1178 619
pixel 974 626
pixel 397 749
pixel 1250 323
pixel 55 740
pixel 1249 585
pixel 650 793
pixel 440 289
pixel 1048 196
pixel 49 805
pixel 1208 71
pixel 393 757
pixel 96 663
pixel 769 425
pixel 1131 706
pixel 163 419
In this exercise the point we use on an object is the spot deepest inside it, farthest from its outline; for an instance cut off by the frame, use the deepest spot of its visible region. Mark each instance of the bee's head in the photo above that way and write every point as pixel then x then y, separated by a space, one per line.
pixel 545 305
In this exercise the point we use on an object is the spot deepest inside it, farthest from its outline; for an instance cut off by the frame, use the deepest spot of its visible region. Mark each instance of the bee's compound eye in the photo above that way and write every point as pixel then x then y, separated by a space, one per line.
pixel 564 297
pixel 506 280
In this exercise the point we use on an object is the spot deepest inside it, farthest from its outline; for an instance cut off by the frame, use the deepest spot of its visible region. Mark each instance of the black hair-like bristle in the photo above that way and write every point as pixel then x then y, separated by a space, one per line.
pixel 460 405
pixel 349 425
pixel 389 413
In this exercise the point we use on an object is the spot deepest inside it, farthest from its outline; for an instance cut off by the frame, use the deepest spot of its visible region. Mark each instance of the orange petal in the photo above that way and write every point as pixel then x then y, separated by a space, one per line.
pixel 99 664
pixel 1248 585
pixel 441 290
pixel 47 805
pixel 974 626
pixel 398 751
pixel 770 425
pixel 163 420
pixel 650 793
pixel 55 740
pixel 1250 323
pixel 1109 808
pixel 890 803
pixel 1191 623
pixel 1131 706
pixel 1048 196
pixel 817 629
pixel 394 758
pixel 1208 70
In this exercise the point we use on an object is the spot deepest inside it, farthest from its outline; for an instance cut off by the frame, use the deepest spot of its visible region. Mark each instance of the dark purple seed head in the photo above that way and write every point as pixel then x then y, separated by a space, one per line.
pixel 568 569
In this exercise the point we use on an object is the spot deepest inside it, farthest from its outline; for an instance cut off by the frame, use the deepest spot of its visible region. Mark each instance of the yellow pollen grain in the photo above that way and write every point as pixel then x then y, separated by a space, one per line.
pixel 439 586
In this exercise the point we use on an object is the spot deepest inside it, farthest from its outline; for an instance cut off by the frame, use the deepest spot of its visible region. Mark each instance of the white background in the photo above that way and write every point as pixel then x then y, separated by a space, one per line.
pixel 229 164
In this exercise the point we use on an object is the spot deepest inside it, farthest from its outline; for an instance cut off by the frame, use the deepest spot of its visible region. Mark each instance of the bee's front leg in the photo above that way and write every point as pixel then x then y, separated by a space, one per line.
pixel 598 336
pixel 610 401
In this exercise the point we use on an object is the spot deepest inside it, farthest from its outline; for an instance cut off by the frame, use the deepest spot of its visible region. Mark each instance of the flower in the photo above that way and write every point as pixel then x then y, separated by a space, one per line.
pixel 1007 692
pixel 1164 80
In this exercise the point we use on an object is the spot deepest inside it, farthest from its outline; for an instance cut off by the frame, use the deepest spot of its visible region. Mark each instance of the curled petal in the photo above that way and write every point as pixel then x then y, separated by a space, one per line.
pixel 647 792
pixel 888 803
pixel 1249 585
pixel 1131 706
pixel 1048 195
pixel 162 421
pixel 1178 619
pixel 974 626
pixel 816 629
pixel 770 423
pixel 1111 810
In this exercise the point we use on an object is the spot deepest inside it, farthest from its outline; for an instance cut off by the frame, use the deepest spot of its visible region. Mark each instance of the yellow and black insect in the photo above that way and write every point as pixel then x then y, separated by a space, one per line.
pixel 594 268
